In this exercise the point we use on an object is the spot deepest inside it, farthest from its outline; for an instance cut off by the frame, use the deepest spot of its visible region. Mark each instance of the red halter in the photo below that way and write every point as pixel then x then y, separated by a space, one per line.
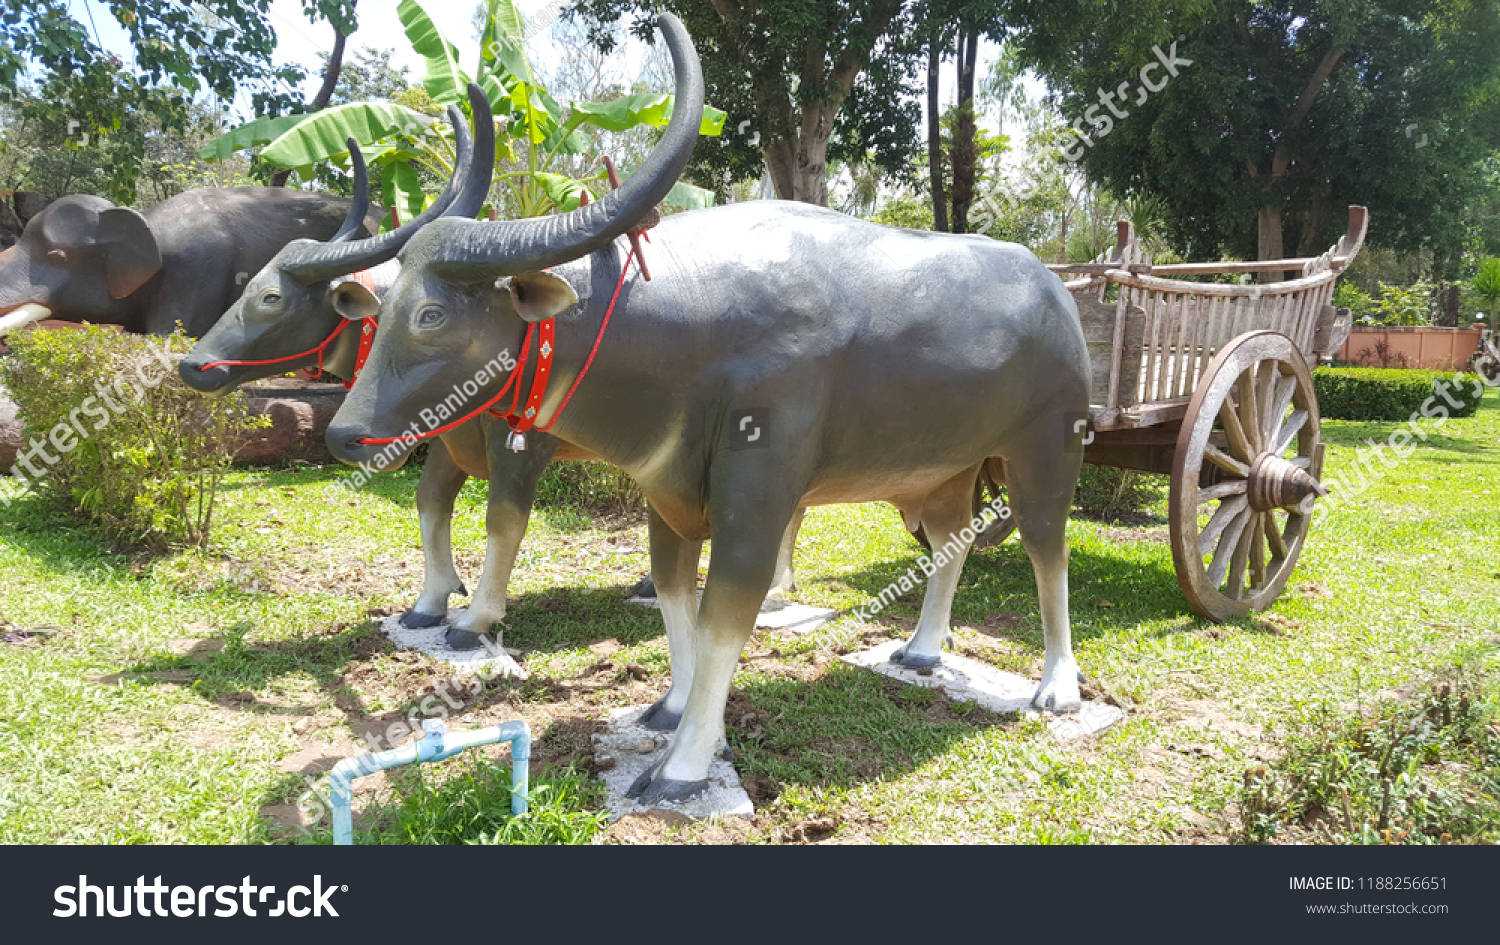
pixel 520 423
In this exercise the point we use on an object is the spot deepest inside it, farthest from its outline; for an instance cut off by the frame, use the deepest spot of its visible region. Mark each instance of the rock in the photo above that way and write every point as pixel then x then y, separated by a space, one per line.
pixel 645 746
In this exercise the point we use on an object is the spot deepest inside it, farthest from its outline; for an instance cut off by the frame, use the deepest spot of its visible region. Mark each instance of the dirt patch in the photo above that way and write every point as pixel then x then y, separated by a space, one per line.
pixel 1158 535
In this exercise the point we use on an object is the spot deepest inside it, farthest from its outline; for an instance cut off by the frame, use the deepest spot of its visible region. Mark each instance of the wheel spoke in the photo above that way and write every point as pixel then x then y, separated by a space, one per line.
pixel 1264 387
pixel 1249 412
pixel 1239 444
pixel 1228 547
pixel 1258 551
pixel 1302 462
pixel 1226 513
pixel 1294 423
pixel 1224 461
pixel 1222 490
pixel 1236 586
pixel 1285 388
pixel 1275 539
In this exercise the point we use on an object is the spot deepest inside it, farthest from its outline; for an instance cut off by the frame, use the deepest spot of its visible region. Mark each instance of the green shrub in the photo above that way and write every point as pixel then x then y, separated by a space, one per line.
pixel 1111 494
pixel 1350 296
pixel 1382 394
pixel 121 439
pixel 1398 306
pixel 1417 772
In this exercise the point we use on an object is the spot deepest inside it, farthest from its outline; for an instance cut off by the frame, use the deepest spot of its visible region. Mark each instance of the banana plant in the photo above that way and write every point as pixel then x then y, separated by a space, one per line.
pixel 533 131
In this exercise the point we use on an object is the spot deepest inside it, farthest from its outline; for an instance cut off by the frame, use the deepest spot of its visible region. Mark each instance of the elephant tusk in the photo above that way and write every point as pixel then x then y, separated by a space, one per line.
pixel 23 316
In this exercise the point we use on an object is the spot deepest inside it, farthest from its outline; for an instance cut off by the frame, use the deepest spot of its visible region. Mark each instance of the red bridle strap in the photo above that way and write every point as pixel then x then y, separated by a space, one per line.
pixel 292 357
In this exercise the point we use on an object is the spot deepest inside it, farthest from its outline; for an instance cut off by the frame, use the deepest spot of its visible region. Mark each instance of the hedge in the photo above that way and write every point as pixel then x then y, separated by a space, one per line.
pixel 1391 394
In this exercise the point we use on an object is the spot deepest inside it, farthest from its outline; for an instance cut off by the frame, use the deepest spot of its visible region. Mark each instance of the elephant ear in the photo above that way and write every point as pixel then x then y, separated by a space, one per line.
pixel 538 296
pixel 69 225
pixel 131 254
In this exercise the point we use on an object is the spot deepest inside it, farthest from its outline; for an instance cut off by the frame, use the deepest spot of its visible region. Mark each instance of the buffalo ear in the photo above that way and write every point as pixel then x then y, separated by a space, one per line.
pixel 131 255
pixel 538 296
pixel 354 301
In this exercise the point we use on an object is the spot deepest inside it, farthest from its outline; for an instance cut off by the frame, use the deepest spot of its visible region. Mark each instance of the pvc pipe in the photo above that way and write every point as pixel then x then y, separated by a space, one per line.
pixel 436 745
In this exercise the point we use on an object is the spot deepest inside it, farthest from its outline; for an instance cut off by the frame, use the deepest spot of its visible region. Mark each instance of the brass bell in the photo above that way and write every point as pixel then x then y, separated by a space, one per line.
pixel 516 442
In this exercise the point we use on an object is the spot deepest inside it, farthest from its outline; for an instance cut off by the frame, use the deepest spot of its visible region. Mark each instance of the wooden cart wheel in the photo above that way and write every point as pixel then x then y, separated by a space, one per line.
pixel 1245 476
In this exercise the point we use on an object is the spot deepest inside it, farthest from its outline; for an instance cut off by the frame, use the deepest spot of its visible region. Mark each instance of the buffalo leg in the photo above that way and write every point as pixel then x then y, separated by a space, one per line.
pixel 674 562
pixel 436 489
pixel 785 581
pixel 1041 485
pixel 781 588
pixel 746 540
pixel 513 479
pixel 945 514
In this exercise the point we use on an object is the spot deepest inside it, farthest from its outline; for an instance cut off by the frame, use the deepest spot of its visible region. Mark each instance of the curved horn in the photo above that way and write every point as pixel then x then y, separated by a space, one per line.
pixel 471 251
pixel 361 205
pixel 479 169
pixel 311 262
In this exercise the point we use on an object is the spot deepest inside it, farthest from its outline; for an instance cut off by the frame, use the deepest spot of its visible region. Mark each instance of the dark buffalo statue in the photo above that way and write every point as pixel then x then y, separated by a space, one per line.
pixel 288 311
pixel 782 356
pixel 181 261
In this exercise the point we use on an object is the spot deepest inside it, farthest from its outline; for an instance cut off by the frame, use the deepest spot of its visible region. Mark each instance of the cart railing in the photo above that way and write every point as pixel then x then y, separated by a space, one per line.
pixel 1152 341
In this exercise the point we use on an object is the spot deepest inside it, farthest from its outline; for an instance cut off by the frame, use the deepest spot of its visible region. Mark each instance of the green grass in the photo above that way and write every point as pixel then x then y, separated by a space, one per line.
pixel 255 654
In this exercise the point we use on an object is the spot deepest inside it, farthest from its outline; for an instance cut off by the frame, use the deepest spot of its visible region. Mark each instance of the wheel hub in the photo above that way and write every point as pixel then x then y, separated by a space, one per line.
pixel 1276 483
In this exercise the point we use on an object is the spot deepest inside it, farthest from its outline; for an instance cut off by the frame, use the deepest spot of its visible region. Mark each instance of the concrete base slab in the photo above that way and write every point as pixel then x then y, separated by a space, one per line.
pixel 775 614
pixel 429 640
pixel 964 679
pixel 622 741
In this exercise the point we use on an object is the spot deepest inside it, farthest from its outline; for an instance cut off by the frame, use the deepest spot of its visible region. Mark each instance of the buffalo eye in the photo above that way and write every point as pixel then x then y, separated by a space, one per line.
pixel 429 318
pixel 270 298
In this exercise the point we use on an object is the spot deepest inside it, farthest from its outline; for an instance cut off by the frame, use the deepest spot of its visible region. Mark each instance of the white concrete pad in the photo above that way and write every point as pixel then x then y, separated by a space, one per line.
pixel 776 614
pixel 964 679
pixel 429 640
pixel 622 741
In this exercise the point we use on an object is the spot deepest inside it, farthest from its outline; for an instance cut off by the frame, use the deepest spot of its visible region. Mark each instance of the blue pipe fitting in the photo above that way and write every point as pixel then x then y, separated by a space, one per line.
pixel 437 745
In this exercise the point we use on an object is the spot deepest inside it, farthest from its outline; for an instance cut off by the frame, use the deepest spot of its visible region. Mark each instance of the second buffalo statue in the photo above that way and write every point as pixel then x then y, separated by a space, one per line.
pixel 782 356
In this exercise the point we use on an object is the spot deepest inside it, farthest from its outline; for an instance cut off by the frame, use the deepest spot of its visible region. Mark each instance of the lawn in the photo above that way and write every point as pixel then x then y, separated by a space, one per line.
pixel 194 697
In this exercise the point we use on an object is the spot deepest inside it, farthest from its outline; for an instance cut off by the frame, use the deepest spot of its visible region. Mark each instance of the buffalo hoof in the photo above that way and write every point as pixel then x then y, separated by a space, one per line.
pixel 648 790
pixel 915 662
pixel 412 620
pixel 659 718
pixel 726 754
pixel 457 639
pixel 645 587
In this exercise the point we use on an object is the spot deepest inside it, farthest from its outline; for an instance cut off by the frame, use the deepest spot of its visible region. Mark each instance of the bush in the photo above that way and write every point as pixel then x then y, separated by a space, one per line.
pixel 1379 394
pixel 588 485
pixel 1111 494
pixel 122 439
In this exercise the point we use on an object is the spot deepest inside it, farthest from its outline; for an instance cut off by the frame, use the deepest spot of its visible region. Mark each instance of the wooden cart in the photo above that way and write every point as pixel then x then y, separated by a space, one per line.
pixel 1209 382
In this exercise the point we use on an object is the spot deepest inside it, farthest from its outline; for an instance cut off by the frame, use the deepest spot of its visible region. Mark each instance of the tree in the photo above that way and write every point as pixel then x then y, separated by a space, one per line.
pixel 1256 123
pixel 181 49
pixel 1487 287
pixel 802 83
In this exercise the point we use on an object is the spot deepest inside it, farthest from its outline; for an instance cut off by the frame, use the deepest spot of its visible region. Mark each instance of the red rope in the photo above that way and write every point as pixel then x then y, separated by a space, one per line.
pixel 605 324
pixel 291 357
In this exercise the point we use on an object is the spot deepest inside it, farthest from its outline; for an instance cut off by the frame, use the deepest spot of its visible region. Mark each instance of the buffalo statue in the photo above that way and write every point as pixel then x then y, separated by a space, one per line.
pixel 782 356
pixel 182 261
pixel 284 321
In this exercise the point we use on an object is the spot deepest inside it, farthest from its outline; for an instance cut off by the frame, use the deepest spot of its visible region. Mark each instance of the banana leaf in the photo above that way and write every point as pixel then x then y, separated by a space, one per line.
pixel 261 131
pixel 444 80
pixel 323 135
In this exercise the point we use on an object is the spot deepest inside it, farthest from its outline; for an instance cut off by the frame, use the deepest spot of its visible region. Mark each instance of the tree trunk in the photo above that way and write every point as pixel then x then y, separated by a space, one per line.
pixel 798 167
pixel 965 155
pixel 1270 240
pixel 325 93
pixel 935 140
